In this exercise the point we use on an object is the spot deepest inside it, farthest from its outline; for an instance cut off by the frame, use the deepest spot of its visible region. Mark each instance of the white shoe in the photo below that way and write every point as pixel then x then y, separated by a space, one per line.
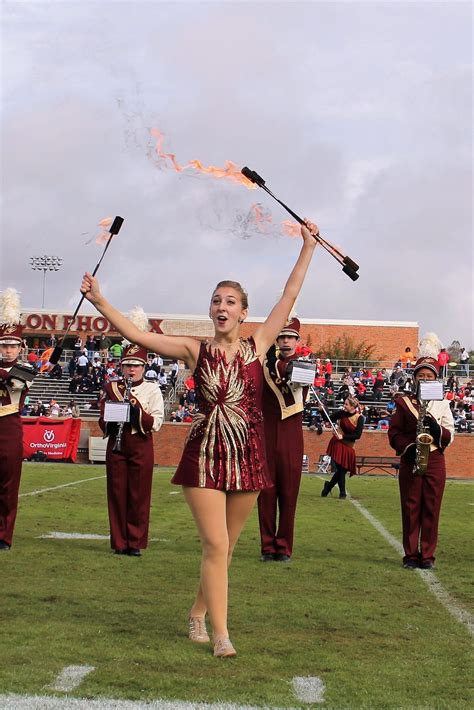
pixel 197 629
pixel 223 648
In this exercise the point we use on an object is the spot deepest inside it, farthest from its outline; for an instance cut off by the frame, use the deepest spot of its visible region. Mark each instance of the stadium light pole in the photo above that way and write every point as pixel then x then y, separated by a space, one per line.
pixel 44 264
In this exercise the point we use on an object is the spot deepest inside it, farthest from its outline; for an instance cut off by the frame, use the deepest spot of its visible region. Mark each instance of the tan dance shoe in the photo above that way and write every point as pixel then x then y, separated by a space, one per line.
pixel 197 629
pixel 223 648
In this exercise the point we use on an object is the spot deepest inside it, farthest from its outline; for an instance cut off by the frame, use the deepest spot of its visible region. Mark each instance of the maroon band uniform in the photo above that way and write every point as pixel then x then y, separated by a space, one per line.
pixel 283 404
pixel 12 397
pixel 13 390
pixel 420 495
pixel 130 470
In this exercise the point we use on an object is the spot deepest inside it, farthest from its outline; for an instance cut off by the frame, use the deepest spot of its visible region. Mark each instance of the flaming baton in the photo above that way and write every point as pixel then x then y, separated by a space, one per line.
pixel 114 229
pixel 349 267
pixel 251 179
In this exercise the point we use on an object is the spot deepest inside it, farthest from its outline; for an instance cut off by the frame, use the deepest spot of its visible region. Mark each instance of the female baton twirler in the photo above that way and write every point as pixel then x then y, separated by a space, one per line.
pixel 223 465
pixel 341 447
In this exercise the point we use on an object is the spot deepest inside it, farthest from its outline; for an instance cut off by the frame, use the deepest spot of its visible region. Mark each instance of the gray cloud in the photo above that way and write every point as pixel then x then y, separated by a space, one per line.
pixel 349 110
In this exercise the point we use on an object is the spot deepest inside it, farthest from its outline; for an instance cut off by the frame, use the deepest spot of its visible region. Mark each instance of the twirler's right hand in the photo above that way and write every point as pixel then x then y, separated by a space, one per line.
pixel 90 288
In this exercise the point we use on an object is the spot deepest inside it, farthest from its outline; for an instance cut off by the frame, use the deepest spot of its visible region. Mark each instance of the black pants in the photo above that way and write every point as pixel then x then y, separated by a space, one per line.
pixel 339 477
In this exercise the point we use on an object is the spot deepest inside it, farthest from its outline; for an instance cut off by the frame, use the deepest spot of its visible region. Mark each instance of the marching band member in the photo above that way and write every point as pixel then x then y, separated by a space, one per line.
pixel 129 457
pixel 341 446
pixel 421 494
pixel 13 390
pixel 283 404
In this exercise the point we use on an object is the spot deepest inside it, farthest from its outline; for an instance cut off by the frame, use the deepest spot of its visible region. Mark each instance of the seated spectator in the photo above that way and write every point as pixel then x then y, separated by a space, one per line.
pixel 367 377
pixel 32 358
pixel 360 390
pixel 74 407
pixel 190 397
pixel 189 415
pixel 54 409
pixel 397 379
pixel 56 372
pixel 151 375
pixel 74 384
pixel 163 379
pixel 86 385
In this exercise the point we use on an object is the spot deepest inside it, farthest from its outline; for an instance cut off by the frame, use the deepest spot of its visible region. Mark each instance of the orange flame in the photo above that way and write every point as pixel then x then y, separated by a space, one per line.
pixel 293 229
pixel 104 235
pixel 261 219
pixel 230 171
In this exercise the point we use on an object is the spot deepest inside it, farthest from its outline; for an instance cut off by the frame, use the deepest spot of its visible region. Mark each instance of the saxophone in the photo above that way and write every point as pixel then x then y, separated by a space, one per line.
pixel 126 398
pixel 423 441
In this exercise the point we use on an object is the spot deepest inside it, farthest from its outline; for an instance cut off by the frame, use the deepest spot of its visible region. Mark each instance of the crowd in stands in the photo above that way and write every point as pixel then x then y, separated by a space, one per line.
pixel 96 361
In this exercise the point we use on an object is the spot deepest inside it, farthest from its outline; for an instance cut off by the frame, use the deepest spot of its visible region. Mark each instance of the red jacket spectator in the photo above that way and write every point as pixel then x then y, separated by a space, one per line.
pixel 327 367
pixel 443 358
pixel 189 383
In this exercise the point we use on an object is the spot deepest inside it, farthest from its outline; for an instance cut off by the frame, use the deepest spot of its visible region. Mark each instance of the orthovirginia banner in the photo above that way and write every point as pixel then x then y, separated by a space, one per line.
pixel 56 438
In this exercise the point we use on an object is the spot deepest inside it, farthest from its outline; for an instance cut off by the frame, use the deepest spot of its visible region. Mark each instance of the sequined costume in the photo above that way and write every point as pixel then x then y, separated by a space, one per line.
pixel 225 448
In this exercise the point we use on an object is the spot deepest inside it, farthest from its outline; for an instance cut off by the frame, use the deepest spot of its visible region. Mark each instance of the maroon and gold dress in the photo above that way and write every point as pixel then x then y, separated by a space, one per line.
pixel 225 447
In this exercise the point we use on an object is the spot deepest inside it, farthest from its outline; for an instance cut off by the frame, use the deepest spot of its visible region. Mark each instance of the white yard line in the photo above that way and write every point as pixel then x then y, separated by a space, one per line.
pixel 429 578
pixel 309 689
pixel 70 677
pixel 56 535
pixel 55 488
pixel 44 702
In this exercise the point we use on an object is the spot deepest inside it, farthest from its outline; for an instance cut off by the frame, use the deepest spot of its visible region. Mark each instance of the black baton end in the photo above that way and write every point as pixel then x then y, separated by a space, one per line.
pixel 253 176
pixel 351 273
pixel 116 224
pixel 56 355
pixel 351 264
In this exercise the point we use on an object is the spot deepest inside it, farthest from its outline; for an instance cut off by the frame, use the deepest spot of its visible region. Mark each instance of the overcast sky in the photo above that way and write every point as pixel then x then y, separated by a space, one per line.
pixel 357 114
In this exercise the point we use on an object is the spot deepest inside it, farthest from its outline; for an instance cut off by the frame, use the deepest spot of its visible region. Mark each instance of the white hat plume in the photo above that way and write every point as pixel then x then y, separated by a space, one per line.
pixel 139 319
pixel 10 309
pixel 430 346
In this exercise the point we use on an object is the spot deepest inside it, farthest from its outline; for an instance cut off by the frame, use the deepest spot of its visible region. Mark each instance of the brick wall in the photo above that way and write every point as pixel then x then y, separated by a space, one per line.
pixel 169 442
pixel 390 341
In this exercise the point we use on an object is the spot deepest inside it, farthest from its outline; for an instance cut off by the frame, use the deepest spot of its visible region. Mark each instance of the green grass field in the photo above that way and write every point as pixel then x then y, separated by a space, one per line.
pixel 344 610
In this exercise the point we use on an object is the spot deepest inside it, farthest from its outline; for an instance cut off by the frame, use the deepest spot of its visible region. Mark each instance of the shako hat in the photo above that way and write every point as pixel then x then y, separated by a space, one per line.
pixel 292 328
pixel 428 354
pixel 11 330
pixel 134 355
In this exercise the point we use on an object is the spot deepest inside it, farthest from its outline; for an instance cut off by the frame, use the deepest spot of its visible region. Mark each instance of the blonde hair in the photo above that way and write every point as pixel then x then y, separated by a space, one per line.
pixel 237 287
pixel 353 401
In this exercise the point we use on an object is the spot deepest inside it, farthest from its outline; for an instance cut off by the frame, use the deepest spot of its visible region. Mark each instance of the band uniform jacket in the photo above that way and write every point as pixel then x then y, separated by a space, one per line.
pixel 146 396
pixel 403 425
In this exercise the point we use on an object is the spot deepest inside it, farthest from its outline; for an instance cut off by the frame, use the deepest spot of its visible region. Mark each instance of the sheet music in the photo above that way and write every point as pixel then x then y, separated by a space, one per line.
pixel 117 412
pixel 431 390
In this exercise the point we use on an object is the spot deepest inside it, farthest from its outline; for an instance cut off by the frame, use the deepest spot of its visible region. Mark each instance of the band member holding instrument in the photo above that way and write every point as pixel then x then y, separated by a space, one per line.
pixel 421 483
pixel 341 446
pixel 15 379
pixel 223 466
pixel 283 404
pixel 129 457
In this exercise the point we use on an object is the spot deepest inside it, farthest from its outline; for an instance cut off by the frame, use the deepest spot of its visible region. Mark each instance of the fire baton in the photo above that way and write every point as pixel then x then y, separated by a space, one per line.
pixel 57 352
pixel 349 266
